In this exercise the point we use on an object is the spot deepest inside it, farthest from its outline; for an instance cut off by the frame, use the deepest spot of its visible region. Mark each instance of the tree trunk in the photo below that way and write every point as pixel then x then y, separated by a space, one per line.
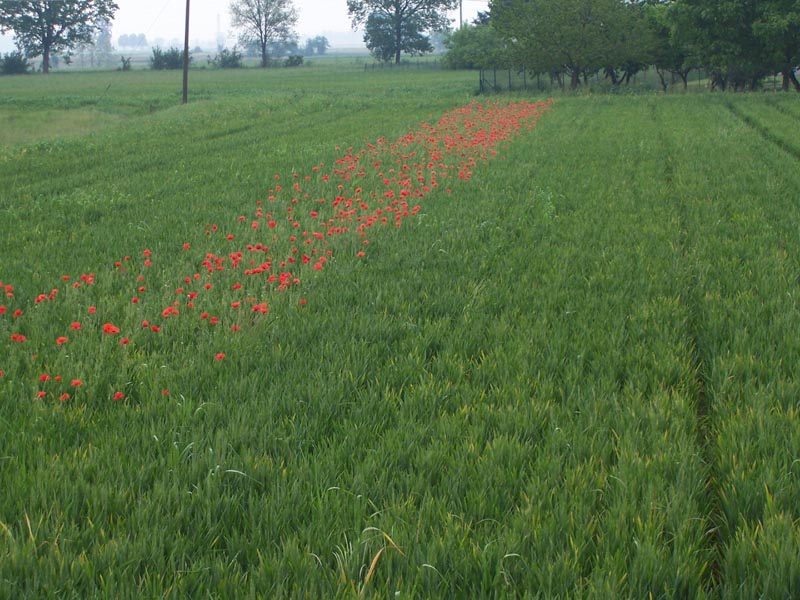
pixel 264 55
pixel 684 75
pixel 398 38
pixel 575 81
pixel 793 79
pixel 46 60
pixel 663 79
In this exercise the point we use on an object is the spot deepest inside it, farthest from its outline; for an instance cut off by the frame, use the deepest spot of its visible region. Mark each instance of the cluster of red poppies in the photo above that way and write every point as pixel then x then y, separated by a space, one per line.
pixel 297 230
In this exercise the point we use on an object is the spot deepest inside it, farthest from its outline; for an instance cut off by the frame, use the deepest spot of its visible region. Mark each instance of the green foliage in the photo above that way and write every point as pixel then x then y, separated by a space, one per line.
pixel 43 28
pixel 293 61
pixel 393 28
pixel 386 43
pixel 14 63
pixel 476 47
pixel 317 45
pixel 738 43
pixel 227 59
pixel 576 36
pixel 167 60
pixel 262 23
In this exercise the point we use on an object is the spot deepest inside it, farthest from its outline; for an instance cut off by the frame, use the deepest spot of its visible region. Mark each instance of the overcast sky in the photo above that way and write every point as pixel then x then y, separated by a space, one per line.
pixel 164 19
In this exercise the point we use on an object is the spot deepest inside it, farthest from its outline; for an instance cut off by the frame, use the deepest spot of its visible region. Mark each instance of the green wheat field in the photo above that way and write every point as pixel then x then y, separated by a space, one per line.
pixel 563 363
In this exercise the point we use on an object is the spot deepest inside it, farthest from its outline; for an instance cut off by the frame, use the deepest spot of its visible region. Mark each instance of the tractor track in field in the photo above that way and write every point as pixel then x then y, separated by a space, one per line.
pixel 762 131
pixel 691 297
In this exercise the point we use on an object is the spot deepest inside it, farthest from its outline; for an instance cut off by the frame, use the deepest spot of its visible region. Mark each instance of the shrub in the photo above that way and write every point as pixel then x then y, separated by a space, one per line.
pixel 293 61
pixel 163 60
pixel 14 63
pixel 126 63
pixel 227 59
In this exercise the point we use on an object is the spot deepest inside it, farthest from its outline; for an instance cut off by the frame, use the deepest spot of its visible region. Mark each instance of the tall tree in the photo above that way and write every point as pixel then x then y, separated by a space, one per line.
pixel 721 35
pixel 777 26
pixel 45 27
pixel 264 23
pixel 576 36
pixel 393 27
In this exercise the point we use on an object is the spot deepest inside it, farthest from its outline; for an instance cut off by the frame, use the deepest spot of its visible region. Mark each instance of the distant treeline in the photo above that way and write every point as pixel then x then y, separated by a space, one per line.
pixel 738 43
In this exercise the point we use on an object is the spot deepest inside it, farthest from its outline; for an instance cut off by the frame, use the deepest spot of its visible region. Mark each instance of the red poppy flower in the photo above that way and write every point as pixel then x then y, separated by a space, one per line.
pixel 62 340
pixel 76 383
pixel 75 325
pixel 110 329
pixel 119 396
pixel 219 356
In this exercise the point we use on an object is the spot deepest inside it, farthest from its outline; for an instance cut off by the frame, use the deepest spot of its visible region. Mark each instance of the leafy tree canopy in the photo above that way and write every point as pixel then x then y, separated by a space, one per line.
pixel 45 27
pixel 393 27
pixel 264 23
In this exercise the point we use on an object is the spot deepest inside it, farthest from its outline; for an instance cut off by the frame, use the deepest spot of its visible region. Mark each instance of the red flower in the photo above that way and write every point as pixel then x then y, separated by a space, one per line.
pixel 76 383
pixel 92 310
pixel 124 341
pixel 145 324
pixel 44 377
pixel 75 326
pixel 219 356
pixel 119 396
pixel 17 313
pixel 18 337
pixel 165 392
pixel 63 397
pixel 110 329
pixel 41 394
pixel 62 340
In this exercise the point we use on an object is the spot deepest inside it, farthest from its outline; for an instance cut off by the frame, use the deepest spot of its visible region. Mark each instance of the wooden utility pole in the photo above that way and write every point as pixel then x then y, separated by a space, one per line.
pixel 186 58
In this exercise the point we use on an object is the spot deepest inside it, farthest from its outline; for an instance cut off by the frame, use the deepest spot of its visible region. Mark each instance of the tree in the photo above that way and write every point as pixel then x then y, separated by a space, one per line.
pixel 264 22
pixel 392 27
pixel 476 47
pixel 45 27
pixel 777 26
pixel 576 36
pixel 133 40
pixel 317 45
pixel 721 35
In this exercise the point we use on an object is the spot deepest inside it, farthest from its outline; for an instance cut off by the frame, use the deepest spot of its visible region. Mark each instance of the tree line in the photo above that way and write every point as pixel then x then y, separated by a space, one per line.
pixel 737 43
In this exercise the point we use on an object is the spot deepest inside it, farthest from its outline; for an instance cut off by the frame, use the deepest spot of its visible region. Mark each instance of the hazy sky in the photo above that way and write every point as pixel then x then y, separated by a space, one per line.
pixel 165 18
